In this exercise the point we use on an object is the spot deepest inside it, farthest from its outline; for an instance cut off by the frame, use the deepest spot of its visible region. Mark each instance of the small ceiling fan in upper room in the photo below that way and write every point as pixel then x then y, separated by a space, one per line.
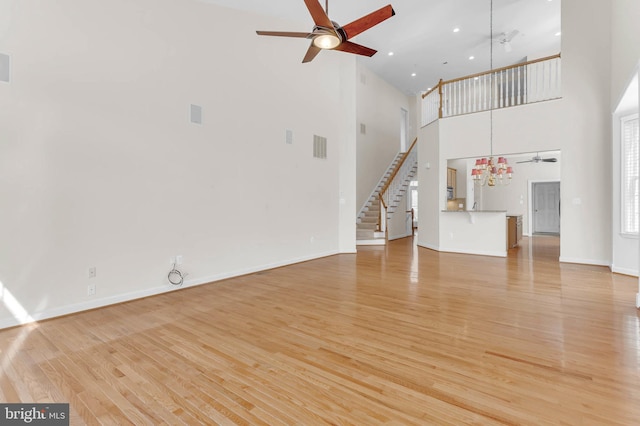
pixel 329 35
pixel 537 159
pixel 505 39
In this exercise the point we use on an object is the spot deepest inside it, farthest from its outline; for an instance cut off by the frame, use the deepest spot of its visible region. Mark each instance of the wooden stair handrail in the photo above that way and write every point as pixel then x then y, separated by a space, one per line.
pixel 508 67
pixel 395 172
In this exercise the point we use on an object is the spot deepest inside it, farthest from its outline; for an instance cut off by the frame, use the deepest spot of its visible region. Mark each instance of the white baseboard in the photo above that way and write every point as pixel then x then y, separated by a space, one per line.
pixel 397 237
pixel 374 242
pixel 584 261
pixel 624 271
pixel 126 297
pixel 84 306
pixel 475 252
pixel 429 246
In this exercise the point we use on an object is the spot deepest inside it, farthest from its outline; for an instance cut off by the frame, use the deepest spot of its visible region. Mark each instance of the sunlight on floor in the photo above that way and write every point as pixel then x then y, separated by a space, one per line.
pixel 12 304
pixel 22 316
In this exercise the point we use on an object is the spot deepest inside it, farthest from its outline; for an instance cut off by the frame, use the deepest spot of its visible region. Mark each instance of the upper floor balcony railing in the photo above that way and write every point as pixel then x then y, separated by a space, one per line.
pixel 525 83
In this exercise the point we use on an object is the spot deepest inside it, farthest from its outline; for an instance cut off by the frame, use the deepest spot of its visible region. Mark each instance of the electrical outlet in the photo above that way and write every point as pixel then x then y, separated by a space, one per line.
pixel 91 289
pixel 179 259
pixel 92 272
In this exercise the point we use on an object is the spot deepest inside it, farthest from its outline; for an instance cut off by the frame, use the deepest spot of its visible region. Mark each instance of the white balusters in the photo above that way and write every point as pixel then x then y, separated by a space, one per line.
pixel 430 107
pixel 533 81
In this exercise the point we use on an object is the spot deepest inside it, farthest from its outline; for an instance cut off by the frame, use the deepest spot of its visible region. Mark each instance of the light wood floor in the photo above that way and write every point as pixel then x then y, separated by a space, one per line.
pixel 393 335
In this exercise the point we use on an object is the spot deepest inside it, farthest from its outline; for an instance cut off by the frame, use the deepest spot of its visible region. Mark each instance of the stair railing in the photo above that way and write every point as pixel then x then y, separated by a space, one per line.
pixel 391 190
pixel 519 84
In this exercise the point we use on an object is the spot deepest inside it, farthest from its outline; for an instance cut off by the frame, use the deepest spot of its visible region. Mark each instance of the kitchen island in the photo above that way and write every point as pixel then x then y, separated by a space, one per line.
pixel 482 232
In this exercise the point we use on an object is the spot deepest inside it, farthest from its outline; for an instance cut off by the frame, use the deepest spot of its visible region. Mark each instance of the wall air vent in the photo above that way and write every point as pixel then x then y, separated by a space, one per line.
pixel 289 137
pixel 363 128
pixel 319 147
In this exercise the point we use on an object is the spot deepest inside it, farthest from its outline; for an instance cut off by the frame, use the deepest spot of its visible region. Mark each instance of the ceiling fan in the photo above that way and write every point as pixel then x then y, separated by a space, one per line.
pixel 505 39
pixel 537 159
pixel 328 34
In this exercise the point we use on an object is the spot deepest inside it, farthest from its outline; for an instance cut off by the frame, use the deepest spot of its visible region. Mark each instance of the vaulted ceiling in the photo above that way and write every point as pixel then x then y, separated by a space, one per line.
pixel 422 38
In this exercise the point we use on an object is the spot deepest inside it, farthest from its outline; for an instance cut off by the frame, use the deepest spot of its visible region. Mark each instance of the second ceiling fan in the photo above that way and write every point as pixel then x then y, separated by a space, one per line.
pixel 328 34
pixel 537 159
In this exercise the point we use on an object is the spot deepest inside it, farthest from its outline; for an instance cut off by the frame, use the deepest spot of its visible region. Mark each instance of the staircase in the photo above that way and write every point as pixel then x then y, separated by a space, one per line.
pixel 402 170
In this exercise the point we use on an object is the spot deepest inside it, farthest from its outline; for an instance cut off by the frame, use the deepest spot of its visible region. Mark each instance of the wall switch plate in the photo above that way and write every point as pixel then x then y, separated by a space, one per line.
pixel 92 272
pixel 179 259
pixel 91 289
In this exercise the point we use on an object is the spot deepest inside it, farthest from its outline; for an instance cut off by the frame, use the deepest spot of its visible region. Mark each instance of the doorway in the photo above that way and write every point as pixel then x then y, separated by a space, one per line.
pixel 404 126
pixel 412 206
pixel 545 208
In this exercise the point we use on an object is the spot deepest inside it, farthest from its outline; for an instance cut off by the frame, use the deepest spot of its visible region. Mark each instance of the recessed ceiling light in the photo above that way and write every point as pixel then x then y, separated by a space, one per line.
pixel 413 74
pixel 471 58
pixel 456 30
pixel 390 53
pixel 559 33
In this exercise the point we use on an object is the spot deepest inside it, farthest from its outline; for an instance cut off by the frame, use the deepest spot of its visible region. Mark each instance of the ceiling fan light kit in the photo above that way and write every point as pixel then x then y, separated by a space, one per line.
pixel 329 35
pixel 326 41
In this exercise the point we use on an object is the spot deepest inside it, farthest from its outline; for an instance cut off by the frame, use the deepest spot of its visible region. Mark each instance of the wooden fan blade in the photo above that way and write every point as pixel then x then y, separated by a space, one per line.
pixel 318 14
pixel 311 53
pixel 374 18
pixel 284 34
pixel 350 47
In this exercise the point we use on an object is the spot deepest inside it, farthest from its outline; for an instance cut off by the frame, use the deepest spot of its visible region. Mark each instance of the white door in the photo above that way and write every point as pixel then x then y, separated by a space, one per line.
pixel 404 125
pixel 412 206
pixel 546 208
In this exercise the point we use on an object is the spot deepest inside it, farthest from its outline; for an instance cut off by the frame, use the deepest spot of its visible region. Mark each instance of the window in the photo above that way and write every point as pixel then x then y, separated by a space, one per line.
pixel 630 174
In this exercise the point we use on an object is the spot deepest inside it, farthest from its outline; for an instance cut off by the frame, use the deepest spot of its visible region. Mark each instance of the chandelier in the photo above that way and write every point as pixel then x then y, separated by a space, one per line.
pixel 486 171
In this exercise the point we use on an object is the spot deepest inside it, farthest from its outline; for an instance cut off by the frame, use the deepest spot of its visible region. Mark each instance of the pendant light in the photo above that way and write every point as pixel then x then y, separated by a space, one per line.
pixel 487 171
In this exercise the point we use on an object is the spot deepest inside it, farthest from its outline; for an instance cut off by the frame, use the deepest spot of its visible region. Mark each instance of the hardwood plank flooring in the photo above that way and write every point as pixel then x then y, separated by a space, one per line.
pixel 396 335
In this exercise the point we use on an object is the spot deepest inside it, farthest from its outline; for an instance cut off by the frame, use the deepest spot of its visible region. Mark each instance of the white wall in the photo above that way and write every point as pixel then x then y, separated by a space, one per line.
pixel 625 45
pixel 100 167
pixel 578 125
pixel 586 147
pixel 625 62
pixel 514 198
pixel 399 226
pixel 431 192
pixel 379 107
pixel 481 233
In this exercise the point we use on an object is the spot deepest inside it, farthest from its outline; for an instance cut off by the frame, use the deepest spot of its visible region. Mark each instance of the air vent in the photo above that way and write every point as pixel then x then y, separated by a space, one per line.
pixel 319 147
pixel 363 128
pixel 289 137
pixel 5 72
